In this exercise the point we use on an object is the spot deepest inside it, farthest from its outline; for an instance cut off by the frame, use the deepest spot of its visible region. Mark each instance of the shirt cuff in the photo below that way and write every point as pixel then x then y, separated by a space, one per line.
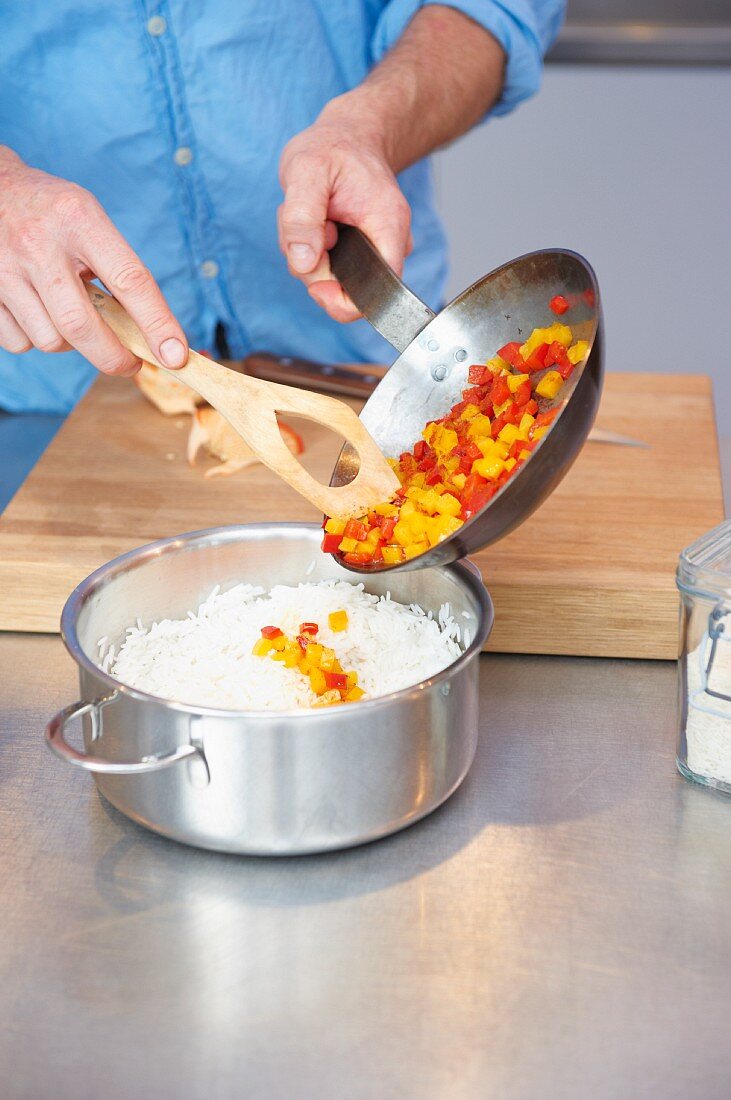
pixel 524 28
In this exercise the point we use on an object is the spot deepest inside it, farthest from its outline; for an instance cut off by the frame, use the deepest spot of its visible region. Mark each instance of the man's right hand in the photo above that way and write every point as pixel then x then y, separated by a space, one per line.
pixel 54 236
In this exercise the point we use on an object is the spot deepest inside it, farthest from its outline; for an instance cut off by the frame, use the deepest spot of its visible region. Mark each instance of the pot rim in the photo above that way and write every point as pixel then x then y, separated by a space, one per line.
pixel 462 572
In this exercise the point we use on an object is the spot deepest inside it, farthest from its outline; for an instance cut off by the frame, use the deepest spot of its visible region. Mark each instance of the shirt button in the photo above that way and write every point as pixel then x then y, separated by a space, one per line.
pixel 209 269
pixel 157 25
pixel 183 155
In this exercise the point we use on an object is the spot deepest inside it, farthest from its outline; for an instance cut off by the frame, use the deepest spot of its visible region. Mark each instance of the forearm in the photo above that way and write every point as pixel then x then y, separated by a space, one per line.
pixel 441 77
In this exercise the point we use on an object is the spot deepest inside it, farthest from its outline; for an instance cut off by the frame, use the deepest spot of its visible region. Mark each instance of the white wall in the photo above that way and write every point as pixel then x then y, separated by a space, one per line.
pixel 632 168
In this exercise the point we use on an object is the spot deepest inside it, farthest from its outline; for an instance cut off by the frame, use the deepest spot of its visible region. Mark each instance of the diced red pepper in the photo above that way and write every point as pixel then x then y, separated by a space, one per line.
pixel 387 525
pixel 477 501
pixel 476 395
pixel 537 359
pixel 303 641
pixel 531 407
pixel 558 304
pixel 479 375
pixel 589 297
pixel 511 354
pixel 420 449
pixel 433 476
pixel 271 632
pixel 546 417
pixel 472 485
pixel 336 681
pixel 330 543
pixel 565 369
pixel 556 355
pixel 309 628
pixel 497 426
pixel 523 394
pixel 354 529
pixel 378 552
pixel 358 559
pixel 500 391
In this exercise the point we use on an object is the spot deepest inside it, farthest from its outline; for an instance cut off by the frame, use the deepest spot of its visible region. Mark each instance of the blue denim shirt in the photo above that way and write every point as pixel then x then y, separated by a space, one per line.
pixel 174 114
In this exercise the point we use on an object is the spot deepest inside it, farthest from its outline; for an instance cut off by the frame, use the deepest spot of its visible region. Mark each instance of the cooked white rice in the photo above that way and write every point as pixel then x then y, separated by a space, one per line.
pixel 205 659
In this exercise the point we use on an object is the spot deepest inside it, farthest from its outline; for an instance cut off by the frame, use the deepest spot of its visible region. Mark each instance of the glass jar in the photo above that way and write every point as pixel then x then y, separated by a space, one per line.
pixel 704 666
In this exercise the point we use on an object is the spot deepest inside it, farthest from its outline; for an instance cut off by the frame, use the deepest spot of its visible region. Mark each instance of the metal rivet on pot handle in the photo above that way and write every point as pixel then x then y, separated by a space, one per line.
pixel 55 739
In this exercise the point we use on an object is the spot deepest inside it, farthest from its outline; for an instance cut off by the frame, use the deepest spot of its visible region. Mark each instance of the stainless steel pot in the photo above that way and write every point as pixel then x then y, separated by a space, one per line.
pixel 268 783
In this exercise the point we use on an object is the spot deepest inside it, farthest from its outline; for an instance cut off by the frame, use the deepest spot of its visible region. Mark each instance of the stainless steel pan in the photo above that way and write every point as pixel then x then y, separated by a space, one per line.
pixel 436 352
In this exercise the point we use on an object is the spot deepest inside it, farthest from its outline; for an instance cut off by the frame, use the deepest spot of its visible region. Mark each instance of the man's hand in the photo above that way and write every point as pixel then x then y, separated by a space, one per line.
pixel 53 236
pixel 439 79
pixel 337 170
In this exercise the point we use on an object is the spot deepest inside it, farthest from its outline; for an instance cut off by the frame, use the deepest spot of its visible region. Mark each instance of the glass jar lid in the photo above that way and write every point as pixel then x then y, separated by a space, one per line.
pixel 705 565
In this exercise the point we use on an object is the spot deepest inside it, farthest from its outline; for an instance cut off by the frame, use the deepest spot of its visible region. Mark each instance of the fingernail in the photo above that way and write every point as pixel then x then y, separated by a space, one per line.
pixel 172 352
pixel 301 257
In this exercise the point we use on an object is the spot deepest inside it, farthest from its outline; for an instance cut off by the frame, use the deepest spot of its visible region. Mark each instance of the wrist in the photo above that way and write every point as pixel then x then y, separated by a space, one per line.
pixel 363 115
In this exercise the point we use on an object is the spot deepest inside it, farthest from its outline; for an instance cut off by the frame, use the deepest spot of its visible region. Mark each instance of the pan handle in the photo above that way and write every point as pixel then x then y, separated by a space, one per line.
pixel 376 289
pixel 56 742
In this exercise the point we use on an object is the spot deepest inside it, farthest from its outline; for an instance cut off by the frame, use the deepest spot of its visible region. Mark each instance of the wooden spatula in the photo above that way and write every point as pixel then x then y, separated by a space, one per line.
pixel 250 405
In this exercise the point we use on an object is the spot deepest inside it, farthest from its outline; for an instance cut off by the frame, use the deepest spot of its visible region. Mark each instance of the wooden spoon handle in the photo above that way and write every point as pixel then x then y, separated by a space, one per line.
pixel 251 406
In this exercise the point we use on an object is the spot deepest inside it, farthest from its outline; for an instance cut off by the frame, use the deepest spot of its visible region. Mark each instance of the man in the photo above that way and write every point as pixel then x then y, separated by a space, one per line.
pixel 149 144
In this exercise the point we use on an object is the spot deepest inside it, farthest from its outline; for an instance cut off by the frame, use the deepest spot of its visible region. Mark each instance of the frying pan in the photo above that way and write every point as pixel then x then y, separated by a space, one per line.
pixel 435 354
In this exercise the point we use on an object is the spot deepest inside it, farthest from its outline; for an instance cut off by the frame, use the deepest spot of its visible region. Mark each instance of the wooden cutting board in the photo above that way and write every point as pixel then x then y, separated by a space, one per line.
pixel 592 572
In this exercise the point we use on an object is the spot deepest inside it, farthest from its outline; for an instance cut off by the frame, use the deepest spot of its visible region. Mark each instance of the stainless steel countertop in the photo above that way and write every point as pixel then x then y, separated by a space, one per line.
pixel 560 928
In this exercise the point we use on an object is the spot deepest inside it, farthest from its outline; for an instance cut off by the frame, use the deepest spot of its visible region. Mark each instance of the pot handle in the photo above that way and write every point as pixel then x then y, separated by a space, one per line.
pixel 56 742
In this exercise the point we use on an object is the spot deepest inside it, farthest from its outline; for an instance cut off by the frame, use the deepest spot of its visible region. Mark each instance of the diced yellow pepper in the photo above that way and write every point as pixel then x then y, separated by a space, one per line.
pixel 429 432
pixel 351 680
pixel 451 464
pixel 414 549
pixel 347 545
pixel 498 365
pixel 550 384
pixel 328 661
pixel 510 463
pixel 364 547
pixel 459 481
pixel 354 695
pixel 489 467
pixel 392 554
pixel 557 331
pixel 329 699
pixel 449 505
pixel 445 440
pixel 418 524
pixel 526 422
pixel 407 508
pixel 335 526
pixel 386 510
pixel 508 433
pixel 262 646
pixel 578 351
pixel 418 479
pixel 505 405
pixel 402 534
pixel 338 621
pixel 278 643
pixel 373 536
pixel 430 502
pixel 487 446
pixel 479 426
pixel 538 433
pixel 524 454
pixel 317 681
pixel 515 380
pixel 470 412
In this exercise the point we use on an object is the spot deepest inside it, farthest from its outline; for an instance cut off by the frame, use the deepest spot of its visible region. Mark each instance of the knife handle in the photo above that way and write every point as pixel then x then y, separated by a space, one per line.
pixel 347 379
